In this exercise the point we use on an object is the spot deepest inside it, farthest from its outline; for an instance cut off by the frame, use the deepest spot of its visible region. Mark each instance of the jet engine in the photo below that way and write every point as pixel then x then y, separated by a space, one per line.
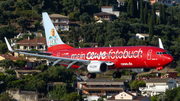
pixel 97 67
pixel 141 70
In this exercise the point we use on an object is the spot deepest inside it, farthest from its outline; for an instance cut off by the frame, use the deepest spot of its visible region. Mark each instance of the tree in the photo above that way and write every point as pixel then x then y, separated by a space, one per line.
pixel 74 16
pixel 172 93
pixel 6 63
pixel 3 48
pixel 160 17
pixel 85 18
pixel 177 98
pixel 131 42
pixel 172 16
pixel 44 67
pixel 4 6
pixel 72 96
pixel 151 28
pixel 179 19
pixel 107 2
pixel 23 22
pixel 2 77
pixel 141 11
pixel 20 63
pixel 60 91
pixel 10 2
pixel 8 16
pixel 153 15
pixel 11 72
pixel 6 97
pixel 163 14
pixel 145 14
pixel 38 82
pixel 37 24
pixel 154 98
pixel 132 8
pixel 100 4
pixel 136 84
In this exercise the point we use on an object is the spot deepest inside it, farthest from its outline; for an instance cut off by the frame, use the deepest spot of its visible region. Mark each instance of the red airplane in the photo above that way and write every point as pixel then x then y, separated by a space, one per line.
pixel 99 60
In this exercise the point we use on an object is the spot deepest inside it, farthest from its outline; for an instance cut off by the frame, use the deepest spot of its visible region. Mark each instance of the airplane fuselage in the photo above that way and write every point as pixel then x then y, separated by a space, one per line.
pixel 122 57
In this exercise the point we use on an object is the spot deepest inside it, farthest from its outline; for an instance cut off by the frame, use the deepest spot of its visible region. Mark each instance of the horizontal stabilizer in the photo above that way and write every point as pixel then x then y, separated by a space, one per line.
pixel 8 45
pixel 160 44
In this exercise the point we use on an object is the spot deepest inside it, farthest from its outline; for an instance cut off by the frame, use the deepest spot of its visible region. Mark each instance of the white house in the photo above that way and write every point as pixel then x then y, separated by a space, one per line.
pixel 142 36
pixel 178 82
pixel 128 96
pixel 110 9
pixel 92 98
pixel 156 86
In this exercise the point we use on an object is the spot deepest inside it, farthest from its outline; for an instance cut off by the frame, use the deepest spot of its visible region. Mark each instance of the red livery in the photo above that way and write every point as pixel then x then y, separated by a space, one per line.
pixel 99 60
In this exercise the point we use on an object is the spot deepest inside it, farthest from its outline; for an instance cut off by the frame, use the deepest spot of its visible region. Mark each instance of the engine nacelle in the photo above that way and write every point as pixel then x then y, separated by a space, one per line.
pixel 141 70
pixel 97 67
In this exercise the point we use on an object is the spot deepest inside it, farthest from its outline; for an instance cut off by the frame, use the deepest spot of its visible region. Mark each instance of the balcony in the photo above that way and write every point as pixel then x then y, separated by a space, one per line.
pixel 152 89
pixel 60 21
pixel 63 28
pixel 104 88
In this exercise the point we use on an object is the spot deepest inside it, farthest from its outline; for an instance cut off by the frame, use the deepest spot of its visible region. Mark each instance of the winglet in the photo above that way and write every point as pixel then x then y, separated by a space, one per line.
pixel 8 45
pixel 160 44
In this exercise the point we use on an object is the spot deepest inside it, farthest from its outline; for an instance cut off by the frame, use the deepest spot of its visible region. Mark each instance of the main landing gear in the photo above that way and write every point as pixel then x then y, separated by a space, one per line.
pixel 91 75
pixel 117 74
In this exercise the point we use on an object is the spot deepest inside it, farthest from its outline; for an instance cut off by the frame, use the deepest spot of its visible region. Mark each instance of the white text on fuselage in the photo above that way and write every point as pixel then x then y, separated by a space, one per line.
pixel 109 55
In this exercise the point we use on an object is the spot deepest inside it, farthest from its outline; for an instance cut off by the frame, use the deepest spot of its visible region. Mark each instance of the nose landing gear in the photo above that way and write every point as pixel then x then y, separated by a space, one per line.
pixel 158 74
pixel 91 75
pixel 117 74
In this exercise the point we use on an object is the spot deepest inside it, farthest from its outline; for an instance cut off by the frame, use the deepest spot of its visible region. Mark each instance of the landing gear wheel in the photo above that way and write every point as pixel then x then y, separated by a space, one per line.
pixel 91 75
pixel 116 75
pixel 119 74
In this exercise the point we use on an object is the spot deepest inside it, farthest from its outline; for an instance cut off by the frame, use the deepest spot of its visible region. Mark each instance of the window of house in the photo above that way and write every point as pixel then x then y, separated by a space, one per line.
pixel 54 20
pixel 124 94
pixel 59 20
pixel 64 20
pixel 40 46
pixel 32 46
pixel 24 47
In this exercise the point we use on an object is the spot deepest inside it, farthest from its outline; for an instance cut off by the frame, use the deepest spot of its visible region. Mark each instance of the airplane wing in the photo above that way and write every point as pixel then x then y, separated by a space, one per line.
pixel 66 61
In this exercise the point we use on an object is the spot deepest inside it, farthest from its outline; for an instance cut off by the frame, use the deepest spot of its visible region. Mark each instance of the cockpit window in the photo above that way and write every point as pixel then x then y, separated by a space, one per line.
pixel 159 53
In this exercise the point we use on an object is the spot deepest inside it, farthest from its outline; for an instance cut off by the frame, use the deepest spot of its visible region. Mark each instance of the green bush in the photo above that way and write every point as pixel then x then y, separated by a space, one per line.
pixel 11 72
pixel 44 67
pixel 38 68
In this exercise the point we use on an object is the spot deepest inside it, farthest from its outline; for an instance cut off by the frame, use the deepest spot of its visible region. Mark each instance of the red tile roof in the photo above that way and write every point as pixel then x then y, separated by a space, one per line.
pixel 7 56
pixel 103 13
pixel 32 42
pixel 106 6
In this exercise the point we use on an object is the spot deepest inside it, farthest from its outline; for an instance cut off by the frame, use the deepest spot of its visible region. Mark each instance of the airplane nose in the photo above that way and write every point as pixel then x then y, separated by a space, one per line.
pixel 170 59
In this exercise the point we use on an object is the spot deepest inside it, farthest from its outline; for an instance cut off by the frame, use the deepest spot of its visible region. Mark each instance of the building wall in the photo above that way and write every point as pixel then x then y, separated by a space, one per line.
pixel 60 23
pixel 172 75
pixel 23 97
pixel 107 9
pixel 124 95
pixel 21 47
